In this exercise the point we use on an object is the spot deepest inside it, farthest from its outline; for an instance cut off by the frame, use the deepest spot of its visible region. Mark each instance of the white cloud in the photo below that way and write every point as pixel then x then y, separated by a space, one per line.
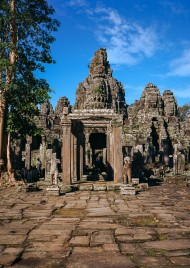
pixel 176 8
pixel 126 43
pixel 181 65
pixel 76 3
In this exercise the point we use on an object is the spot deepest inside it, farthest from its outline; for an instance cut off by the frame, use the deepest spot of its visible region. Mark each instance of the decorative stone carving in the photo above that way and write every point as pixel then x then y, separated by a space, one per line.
pixel 127 169
pixel 100 90
pixel 170 105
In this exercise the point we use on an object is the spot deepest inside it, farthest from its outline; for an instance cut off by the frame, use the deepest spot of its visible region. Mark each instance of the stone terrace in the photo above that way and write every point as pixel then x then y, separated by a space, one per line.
pixel 96 228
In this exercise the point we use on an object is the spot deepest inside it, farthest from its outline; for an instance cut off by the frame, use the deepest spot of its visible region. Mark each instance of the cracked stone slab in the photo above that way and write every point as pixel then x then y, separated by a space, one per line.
pixel 168 244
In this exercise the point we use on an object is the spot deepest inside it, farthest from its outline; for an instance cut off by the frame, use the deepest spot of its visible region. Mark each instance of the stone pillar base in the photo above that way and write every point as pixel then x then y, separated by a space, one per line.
pixel 53 190
pixel 128 190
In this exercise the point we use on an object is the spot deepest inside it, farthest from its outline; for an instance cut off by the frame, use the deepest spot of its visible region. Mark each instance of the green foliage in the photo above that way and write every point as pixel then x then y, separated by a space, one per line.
pixel 34 25
pixel 97 90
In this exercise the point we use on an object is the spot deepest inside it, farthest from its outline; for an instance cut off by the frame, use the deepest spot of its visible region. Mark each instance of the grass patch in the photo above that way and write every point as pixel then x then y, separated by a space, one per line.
pixel 150 252
pixel 162 237
pixel 143 221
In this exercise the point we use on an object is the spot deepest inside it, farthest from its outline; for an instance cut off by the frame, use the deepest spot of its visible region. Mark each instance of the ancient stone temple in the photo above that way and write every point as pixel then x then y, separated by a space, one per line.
pixel 93 130
pixel 92 138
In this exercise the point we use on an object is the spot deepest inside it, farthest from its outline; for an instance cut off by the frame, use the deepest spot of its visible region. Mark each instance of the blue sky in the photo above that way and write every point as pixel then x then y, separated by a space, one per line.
pixel 146 41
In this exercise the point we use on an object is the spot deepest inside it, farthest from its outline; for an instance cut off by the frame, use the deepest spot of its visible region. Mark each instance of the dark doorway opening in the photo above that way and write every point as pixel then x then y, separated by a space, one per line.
pixel 98 140
pixel 98 149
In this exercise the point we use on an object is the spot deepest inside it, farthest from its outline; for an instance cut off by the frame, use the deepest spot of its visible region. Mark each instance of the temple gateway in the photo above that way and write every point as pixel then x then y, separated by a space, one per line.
pixel 92 138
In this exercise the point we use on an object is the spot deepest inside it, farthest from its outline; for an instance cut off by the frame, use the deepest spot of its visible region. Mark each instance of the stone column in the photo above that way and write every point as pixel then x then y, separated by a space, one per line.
pixel 117 146
pixel 28 153
pixel 43 152
pixel 110 166
pixel 66 152
pixel 104 156
pixel 87 149
pixel 81 155
pixel 75 158
pixel 72 157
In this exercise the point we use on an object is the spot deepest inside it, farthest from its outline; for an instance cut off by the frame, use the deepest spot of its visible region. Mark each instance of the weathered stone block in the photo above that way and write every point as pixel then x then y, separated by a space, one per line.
pixel 135 180
pixel 100 187
pixel 128 190
pixel 86 187
pixel 118 186
pixel 110 187
pixel 53 190
pixel 65 189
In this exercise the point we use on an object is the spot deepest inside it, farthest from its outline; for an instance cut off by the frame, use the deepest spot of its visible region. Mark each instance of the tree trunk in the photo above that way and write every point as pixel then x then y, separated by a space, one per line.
pixel 2 132
pixel 9 164
pixel 12 67
pixel 2 107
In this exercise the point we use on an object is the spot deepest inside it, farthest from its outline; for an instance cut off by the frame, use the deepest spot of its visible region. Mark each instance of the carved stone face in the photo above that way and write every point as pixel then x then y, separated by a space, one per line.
pixel 151 100
pixel 171 110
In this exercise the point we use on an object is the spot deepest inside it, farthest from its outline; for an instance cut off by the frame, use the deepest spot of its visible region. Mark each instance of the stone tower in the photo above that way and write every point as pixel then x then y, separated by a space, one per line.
pixel 94 126
pixel 100 90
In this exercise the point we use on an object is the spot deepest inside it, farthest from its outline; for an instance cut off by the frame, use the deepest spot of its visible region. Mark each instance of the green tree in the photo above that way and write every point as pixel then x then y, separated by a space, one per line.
pixel 26 28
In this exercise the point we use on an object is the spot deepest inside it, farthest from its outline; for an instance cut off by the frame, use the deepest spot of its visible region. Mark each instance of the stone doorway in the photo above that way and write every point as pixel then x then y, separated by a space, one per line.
pixel 98 155
pixel 98 147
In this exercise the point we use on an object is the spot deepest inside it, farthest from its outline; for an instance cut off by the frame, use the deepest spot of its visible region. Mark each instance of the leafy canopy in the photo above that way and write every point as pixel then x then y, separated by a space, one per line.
pixel 26 32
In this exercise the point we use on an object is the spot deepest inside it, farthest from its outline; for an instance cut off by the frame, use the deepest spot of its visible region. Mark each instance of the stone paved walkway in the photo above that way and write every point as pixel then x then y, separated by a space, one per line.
pixel 96 228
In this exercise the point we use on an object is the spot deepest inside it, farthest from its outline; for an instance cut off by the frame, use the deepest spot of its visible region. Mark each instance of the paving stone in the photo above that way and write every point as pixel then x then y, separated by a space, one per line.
pixel 168 244
pixel 112 229
pixel 34 246
pixel 97 226
pixel 102 237
pixel 132 249
pixel 12 239
pixel 80 241
pixel 111 247
pixel 40 262
pixel 7 259
pixel 96 260
pixel 12 250
pixel 180 261
pixel 87 250
pixel 149 261
pixel 1 248
pixel 177 253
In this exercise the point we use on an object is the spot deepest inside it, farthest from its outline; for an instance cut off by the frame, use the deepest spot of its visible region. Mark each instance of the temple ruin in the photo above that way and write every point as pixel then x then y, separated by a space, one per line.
pixel 92 138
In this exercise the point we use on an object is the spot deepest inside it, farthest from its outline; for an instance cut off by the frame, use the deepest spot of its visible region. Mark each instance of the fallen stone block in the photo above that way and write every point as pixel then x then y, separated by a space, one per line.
pixel 128 190
pixel 53 190
pixel 135 180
